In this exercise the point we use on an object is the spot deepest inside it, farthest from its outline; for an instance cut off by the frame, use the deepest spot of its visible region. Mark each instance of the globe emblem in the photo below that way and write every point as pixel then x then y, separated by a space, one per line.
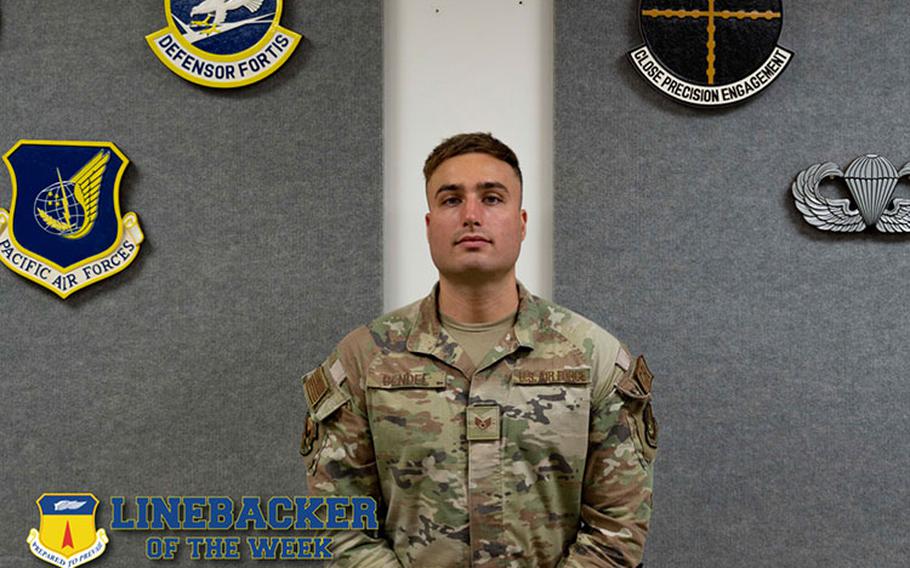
pixel 57 211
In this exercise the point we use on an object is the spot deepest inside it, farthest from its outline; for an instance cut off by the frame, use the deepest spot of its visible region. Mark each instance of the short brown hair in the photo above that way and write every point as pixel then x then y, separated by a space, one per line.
pixel 468 143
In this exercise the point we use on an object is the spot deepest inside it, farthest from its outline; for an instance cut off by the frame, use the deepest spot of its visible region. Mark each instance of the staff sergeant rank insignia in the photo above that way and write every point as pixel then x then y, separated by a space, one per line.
pixel 223 43
pixel 710 53
pixel 64 229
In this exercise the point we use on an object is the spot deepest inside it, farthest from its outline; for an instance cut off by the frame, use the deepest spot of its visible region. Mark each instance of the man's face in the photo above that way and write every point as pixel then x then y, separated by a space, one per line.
pixel 475 224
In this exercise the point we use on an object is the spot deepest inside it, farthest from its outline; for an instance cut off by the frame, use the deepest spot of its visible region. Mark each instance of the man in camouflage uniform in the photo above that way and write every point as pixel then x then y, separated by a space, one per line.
pixel 536 450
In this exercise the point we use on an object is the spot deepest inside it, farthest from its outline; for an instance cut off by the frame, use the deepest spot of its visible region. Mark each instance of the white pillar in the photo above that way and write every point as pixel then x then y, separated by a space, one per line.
pixel 463 66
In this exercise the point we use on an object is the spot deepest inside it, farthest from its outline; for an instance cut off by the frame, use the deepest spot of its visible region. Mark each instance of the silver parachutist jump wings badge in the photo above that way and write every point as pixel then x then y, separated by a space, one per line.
pixel 871 180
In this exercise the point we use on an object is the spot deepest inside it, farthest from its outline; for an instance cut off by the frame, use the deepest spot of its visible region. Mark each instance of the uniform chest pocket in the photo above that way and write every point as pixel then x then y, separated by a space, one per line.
pixel 410 414
pixel 546 420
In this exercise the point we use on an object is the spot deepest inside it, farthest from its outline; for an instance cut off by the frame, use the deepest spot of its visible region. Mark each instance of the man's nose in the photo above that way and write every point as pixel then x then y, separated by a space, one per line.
pixel 472 211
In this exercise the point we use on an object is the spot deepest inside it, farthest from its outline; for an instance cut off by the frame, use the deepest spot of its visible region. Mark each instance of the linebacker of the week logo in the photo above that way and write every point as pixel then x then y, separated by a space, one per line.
pixel 710 53
pixel 67 536
pixel 223 43
pixel 64 229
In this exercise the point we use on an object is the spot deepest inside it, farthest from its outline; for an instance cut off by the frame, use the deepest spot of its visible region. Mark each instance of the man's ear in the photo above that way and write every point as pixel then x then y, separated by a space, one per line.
pixel 524 224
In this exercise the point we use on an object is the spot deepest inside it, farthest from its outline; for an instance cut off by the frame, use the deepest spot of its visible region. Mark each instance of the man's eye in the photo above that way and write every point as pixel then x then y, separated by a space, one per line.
pixel 492 199
pixel 451 201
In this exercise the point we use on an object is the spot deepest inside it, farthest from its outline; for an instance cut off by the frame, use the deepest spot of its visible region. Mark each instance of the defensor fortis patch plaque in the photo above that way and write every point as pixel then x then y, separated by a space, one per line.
pixel 223 43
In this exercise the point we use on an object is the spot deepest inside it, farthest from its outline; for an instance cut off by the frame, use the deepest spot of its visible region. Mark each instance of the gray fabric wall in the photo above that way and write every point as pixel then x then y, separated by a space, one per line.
pixel 262 214
pixel 779 350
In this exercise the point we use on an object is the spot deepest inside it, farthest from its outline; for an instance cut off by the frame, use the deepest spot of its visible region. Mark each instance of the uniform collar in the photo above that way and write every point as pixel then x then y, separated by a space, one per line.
pixel 429 337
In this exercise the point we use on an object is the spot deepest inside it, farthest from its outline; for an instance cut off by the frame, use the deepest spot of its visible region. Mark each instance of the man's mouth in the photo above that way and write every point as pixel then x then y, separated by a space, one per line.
pixel 472 239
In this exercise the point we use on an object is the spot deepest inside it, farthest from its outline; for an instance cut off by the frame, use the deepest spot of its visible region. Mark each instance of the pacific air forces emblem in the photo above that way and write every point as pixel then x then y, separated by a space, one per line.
pixel 64 229
pixel 223 43
pixel 67 536
pixel 710 53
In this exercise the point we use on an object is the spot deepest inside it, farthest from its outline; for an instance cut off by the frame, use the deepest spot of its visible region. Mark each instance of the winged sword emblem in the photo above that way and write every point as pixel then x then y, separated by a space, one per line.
pixel 69 208
pixel 871 180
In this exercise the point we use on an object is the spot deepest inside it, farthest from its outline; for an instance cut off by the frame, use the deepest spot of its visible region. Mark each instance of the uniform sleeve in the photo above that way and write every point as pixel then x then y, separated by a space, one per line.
pixel 616 497
pixel 338 453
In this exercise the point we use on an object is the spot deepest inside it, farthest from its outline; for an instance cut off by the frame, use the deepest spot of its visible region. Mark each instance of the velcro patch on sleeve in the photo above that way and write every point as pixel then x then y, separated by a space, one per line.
pixel 635 389
pixel 636 382
pixel 651 428
pixel 643 375
pixel 338 373
pixel 623 359
pixel 323 396
pixel 310 435
pixel 315 386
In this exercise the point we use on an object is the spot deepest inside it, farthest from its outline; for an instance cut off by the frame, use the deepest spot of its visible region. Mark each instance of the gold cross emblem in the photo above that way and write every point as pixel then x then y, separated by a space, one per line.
pixel 711 14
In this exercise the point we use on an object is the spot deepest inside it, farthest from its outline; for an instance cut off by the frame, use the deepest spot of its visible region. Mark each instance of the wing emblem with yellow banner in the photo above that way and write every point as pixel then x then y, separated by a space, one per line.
pixel 69 208
pixel 64 229
pixel 67 536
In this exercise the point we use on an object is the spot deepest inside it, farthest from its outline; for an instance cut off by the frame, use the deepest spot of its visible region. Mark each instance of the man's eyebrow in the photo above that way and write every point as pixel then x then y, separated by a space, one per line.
pixel 449 187
pixel 491 185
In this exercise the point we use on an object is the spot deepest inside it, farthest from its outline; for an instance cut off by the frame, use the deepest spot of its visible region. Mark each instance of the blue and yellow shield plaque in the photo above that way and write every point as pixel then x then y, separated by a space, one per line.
pixel 223 44
pixel 67 536
pixel 64 229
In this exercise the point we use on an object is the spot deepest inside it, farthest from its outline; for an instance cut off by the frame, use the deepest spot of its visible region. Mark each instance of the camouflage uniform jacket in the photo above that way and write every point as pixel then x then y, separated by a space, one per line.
pixel 539 457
